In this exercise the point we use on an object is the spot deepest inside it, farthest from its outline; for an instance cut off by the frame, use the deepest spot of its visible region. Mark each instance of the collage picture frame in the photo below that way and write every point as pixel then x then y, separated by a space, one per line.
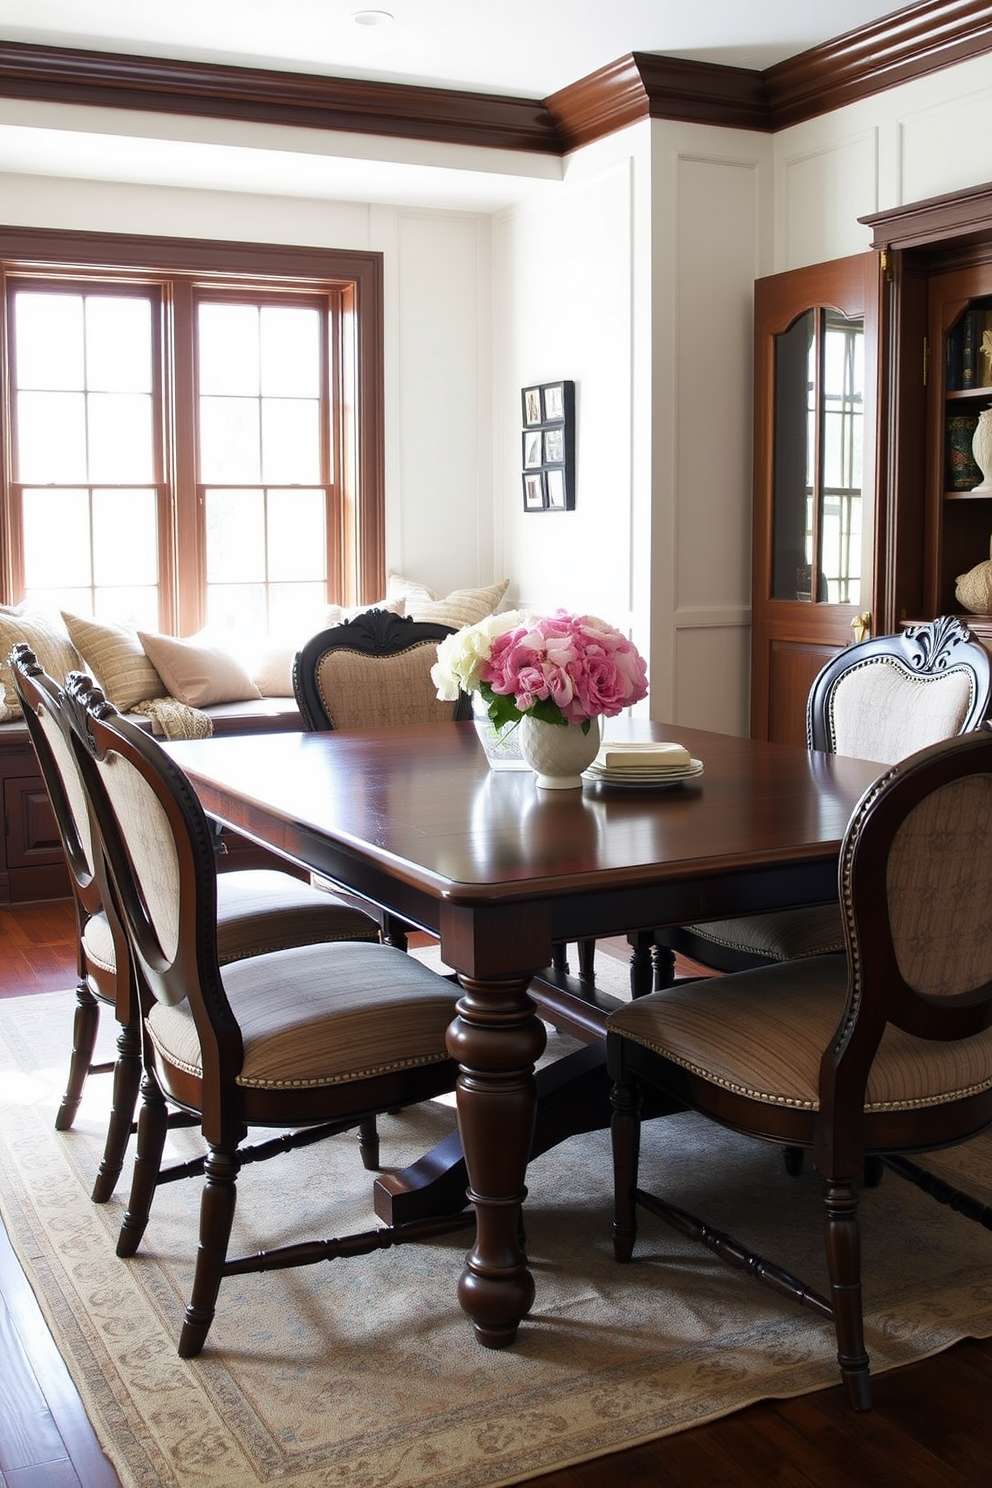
pixel 548 446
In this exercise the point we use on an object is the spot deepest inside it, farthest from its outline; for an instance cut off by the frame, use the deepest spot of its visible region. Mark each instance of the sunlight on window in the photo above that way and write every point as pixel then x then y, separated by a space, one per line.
pixel 290 440
pixel 51 436
pixel 297 543
pixel 119 429
pixel 235 536
pixel 125 537
pixel 118 344
pixel 56 538
pixel 48 331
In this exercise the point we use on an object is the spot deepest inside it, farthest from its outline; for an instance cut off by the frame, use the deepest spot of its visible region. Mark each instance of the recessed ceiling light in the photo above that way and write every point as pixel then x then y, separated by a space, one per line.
pixel 372 17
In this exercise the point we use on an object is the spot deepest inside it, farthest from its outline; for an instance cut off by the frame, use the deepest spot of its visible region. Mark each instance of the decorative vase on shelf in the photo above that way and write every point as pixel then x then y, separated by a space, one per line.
pixel 558 753
pixel 981 448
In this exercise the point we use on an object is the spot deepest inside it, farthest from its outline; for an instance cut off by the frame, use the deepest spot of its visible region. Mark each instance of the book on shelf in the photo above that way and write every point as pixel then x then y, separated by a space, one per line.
pixel 969 350
pixel 961 472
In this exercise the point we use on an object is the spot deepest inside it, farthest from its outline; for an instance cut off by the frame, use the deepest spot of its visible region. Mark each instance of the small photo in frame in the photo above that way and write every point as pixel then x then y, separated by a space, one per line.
pixel 554 447
pixel 554 402
pixel 534 491
pixel 531 398
pixel 556 490
pixel 533 449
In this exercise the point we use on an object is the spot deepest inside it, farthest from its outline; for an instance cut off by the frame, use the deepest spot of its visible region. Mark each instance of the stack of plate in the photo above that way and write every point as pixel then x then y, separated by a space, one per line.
pixel 643 766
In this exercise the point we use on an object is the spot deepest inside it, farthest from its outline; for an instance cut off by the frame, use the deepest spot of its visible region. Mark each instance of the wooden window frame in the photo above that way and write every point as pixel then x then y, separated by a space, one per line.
pixel 183 268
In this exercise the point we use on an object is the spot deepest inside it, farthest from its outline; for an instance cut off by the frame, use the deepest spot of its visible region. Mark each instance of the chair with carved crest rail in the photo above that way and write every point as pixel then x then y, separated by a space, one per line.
pixel 880 699
pixel 858 1058
pixel 311 1040
pixel 258 910
pixel 374 671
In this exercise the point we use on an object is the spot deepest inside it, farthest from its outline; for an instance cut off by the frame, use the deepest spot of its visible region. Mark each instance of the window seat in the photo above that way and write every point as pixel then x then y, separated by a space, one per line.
pixel 31 862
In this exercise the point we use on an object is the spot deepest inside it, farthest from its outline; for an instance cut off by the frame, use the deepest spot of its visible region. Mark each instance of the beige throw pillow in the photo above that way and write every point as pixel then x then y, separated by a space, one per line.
pixel 460 607
pixel 48 639
pixel 115 656
pixel 272 669
pixel 196 672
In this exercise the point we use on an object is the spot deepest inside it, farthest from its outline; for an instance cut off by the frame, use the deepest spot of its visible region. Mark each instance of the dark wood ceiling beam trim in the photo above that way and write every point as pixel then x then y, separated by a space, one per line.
pixel 917 40
pixel 159 85
pixel 644 85
pixel 921 39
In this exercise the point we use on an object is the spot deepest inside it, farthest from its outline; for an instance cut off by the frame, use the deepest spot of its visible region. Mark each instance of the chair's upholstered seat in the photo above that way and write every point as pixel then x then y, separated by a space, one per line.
pixel 708 1028
pixel 263 909
pixel 783 935
pixel 323 1015
pixel 98 943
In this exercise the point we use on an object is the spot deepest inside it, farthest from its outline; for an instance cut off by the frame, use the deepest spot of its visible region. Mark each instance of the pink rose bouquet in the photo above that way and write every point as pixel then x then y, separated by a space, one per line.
pixel 559 668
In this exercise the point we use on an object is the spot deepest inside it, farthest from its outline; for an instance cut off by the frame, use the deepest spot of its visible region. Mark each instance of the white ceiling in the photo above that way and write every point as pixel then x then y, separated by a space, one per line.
pixel 526 48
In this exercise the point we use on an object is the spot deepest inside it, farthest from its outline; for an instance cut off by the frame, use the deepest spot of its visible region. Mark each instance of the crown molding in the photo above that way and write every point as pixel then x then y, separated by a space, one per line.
pixel 917 40
pixel 644 85
pixel 257 95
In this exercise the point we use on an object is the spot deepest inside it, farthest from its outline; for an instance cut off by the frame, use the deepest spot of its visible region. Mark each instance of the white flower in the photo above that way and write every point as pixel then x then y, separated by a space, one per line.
pixel 460 657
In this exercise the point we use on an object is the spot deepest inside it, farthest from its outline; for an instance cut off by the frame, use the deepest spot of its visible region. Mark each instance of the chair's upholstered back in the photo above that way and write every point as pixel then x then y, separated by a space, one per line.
pixel 881 711
pixel 916 891
pixel 39 699
pixel 373 672
pixel 159 848
pixel 359 690
pixel 939 889
pixel 890 696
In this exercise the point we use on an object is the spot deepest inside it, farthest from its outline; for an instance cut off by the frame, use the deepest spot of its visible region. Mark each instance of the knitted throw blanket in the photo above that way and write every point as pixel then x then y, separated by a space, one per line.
pixel 172 719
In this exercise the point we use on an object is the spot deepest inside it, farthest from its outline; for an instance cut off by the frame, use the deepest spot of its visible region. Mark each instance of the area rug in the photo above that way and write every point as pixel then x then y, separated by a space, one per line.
pixel 364 1372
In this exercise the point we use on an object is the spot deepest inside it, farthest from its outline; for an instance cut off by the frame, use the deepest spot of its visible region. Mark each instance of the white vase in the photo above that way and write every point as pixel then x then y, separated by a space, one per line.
pixel 981 448
pixel 558 753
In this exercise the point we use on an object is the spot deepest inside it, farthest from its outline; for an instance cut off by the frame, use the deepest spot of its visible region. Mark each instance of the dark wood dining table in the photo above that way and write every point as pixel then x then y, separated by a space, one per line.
pixel 500 871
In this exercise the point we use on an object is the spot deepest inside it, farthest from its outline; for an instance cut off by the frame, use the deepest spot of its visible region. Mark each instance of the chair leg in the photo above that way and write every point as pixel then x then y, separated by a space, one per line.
pixel 127 1080
pixel 216 1218
pixel 793 1160
pixel 843 1247
pixel 642 970
pixel 394 933
pixel 625 1130
pixel 84 1028
pixel 153 1125
pixel 559 959
pixel 368 1144
pixel 587 960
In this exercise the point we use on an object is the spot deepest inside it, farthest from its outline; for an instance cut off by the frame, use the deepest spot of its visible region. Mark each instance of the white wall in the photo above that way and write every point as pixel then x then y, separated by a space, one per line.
pixel 923 139
pixel 636 281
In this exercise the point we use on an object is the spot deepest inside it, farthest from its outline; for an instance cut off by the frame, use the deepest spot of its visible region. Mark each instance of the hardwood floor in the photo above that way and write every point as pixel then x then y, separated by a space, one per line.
pixel 928 1428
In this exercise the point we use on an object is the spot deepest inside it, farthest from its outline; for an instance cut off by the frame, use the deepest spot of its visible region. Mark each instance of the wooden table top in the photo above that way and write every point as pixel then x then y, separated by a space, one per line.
pixel 421 805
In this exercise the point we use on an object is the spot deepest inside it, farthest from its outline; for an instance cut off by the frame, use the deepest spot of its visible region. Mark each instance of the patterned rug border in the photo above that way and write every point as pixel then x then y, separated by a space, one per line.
pixel 612 1408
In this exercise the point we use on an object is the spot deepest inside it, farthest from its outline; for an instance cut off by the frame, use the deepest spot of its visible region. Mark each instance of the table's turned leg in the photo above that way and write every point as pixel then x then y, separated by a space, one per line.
pixel 496 1039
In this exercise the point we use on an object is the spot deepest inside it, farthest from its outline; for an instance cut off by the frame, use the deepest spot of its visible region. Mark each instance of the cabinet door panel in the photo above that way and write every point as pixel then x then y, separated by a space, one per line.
pixel 32 834
pixel 815 486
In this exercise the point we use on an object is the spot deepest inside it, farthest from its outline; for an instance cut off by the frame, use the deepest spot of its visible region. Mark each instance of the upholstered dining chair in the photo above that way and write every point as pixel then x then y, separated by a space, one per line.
pixel 309 1039
pixel 880 699
pixel 257 910
pixel 374 671
pixel 881 1052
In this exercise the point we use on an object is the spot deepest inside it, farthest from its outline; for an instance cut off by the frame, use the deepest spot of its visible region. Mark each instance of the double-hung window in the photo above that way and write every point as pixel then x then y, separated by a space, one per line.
pixel 191 433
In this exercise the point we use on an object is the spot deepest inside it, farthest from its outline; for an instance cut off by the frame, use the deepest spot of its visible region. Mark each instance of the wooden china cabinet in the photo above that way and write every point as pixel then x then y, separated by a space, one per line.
pixel 865 507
